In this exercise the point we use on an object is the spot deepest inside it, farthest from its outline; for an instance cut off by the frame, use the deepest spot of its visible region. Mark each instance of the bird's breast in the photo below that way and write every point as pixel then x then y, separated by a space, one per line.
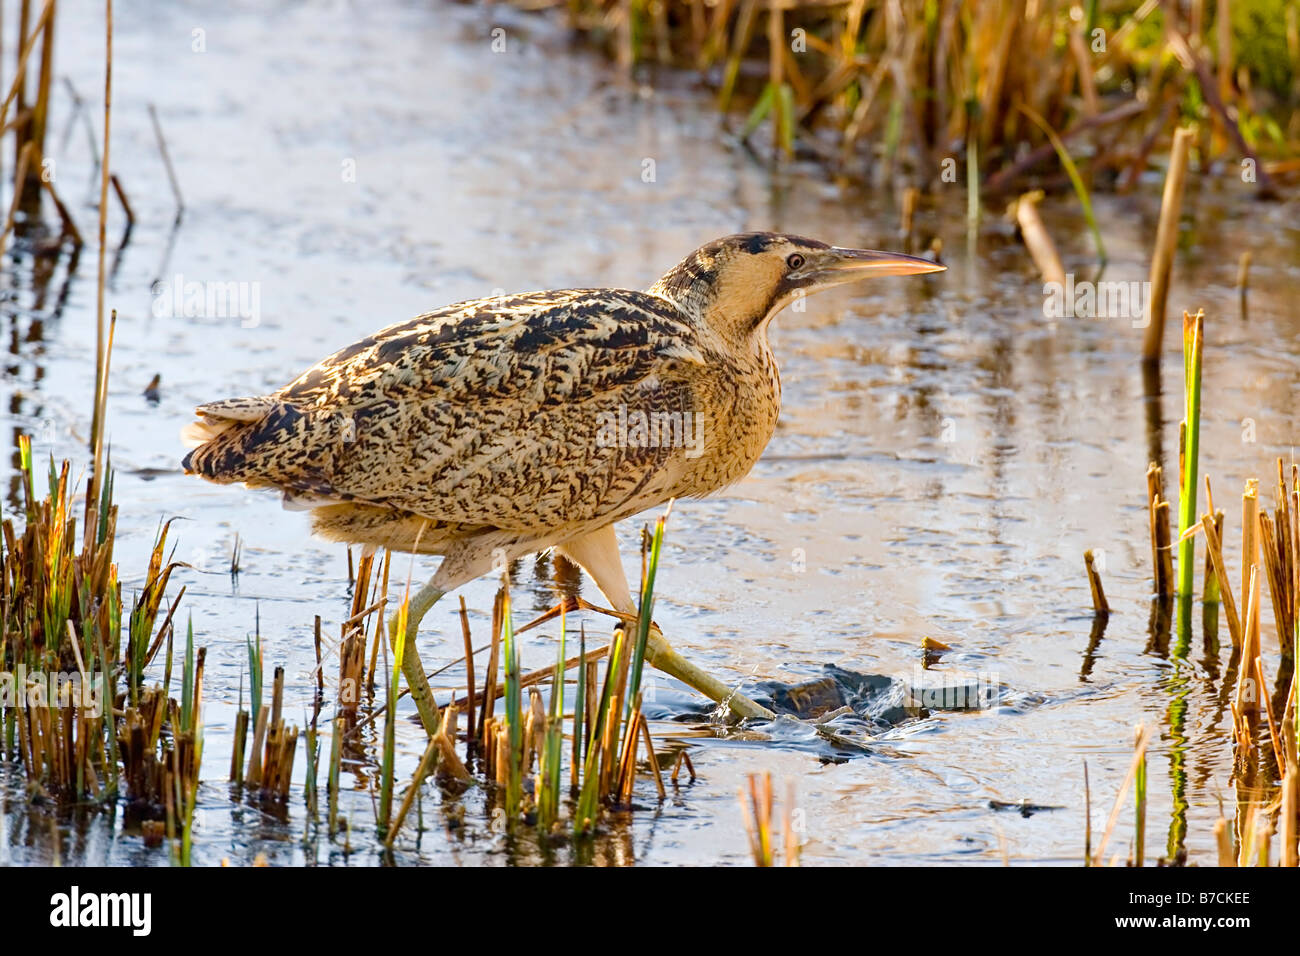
pixel 737 411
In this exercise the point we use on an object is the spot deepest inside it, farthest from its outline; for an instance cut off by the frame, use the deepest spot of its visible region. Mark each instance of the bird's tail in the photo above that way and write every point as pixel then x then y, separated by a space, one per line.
pixel 218 437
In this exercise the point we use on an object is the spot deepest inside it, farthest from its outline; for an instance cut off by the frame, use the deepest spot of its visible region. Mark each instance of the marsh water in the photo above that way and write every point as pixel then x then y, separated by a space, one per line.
pixel 945 455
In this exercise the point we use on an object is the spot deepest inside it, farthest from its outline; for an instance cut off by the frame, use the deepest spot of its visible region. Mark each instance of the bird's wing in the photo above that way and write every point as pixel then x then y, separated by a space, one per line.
pixel 502 412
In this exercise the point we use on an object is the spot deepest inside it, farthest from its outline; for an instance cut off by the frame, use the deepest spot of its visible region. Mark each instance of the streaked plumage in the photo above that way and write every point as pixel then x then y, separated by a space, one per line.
pixel 475 431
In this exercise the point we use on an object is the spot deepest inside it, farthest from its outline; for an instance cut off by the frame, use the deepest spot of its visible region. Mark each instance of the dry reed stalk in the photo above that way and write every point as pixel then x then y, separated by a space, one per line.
pixel 1249 533
pixel 451 764
pixel 1162 558
pixel 125 203
pixel 253 778
pixel 1214 551
pixel 757 814
pixel 1290 808
pixel 535 677
pixel 534 726
pixel 1247 697
pixel 1083 63
pixel 470 736
pixel 907 218
pixel 68 226
pixel 610 757
pixel 625 778
pixel 1211 592
pixel 653 759
pixel 1037 240
pixel 1278 753
pixel 1099 603
pixel 490 681
pixel 1223 841
pixel 17 90
pixel 787 826
pixel 1166 242
pixel 593 690
pixel 776 66
pixel 237 748
pixel 352 672
pixel 1276 565
pixel 427 764
pixel 171 171
pixel 1139 754
pixel 20 177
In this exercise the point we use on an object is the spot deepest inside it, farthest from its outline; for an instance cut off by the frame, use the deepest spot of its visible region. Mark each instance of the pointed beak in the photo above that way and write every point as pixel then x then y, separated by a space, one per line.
pixel 861 263
pixel 836 266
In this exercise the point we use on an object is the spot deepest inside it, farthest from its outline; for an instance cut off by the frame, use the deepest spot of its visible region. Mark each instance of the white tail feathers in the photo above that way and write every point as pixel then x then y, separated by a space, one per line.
pixel 200 433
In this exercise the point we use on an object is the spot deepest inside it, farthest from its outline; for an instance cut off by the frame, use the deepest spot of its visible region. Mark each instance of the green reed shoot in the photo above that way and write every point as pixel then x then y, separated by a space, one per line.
pixel 392 687
pixel 579 711
pixel 311 796
pixel 548 788
pixel 646 610
pixel 514 713
pixel 254 645
pixel 1140 809
pixel 187 678
pixel 584 815
pixel 332 784
pixel 1189 449
pixel 1080 190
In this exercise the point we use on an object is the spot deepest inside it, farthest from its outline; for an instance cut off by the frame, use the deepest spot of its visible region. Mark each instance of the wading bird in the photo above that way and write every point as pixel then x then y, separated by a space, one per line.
pixel 491 429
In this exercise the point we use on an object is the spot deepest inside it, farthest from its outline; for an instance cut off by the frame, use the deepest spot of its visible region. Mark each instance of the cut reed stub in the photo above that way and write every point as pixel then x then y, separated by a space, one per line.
pixel 1162 258
pixel 1162 559
pixel 1037 239
pixel 1099 603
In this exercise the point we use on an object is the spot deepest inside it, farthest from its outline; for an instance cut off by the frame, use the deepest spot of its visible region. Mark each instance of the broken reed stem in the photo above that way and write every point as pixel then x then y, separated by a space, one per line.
pixel 1249 526
pixel 1037 240
pixel 68 226
pixel 426 766
pixel 1247 694
pixel 1278 753
pixel 1210 594
pixel 490 681
pixel 470 736
pixel 1166 242
pixel 1162 561
pixel 167 163
pixel 1099 603
pixel 1214 550
pixel 534 677
pixel 1223 842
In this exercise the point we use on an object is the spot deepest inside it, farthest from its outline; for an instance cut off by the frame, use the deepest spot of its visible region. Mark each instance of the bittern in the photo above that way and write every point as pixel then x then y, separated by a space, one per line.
pixel 491 429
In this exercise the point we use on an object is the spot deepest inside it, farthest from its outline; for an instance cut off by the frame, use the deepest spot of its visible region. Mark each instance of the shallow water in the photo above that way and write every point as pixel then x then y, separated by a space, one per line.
pixel 945 453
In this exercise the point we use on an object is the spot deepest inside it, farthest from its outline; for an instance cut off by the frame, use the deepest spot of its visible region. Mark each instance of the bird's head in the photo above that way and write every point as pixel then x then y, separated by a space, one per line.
pixel 738 283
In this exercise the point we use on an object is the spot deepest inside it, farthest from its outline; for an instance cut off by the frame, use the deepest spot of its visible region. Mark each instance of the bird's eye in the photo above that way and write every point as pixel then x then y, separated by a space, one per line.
pixel 794 261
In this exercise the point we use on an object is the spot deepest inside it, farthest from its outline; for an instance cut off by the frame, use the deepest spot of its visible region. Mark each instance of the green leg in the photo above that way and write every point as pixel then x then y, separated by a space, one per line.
pixel 412 669
pixel 660 654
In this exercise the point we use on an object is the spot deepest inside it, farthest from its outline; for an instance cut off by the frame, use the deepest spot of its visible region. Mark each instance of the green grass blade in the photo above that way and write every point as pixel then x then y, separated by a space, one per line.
pixel 1075 179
